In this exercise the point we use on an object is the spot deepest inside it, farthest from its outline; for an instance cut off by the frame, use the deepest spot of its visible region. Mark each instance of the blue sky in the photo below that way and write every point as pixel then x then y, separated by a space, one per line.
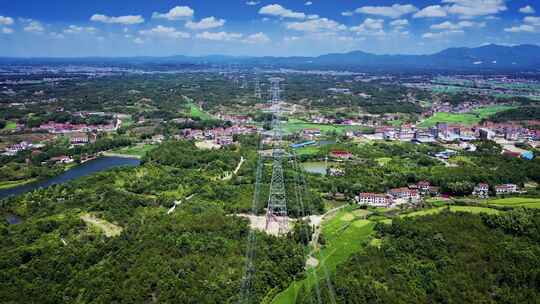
pixel 260 27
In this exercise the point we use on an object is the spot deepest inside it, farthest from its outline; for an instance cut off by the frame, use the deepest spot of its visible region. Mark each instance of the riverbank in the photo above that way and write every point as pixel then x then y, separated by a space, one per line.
pixel 13 184
pixel 73 171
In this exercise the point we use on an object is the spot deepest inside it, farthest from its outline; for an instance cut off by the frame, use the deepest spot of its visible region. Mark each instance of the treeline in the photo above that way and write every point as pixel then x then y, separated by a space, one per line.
pixel 445 258
pixel 66 117
pixel 184 154
pixel 194 255
pixel 518 114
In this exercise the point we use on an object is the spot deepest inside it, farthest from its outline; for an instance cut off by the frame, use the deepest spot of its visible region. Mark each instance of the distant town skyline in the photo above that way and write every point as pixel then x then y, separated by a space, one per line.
pixel 63 28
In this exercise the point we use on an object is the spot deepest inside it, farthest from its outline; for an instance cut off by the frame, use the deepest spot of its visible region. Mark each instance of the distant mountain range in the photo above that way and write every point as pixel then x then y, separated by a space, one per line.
pixel 489 57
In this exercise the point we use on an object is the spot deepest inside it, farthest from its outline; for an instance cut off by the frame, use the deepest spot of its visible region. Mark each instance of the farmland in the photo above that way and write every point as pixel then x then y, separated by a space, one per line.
pixel 344 235
pixel 515 202
pixel 471 118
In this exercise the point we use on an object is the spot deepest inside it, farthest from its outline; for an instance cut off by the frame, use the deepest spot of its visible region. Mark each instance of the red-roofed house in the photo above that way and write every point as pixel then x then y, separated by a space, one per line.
pixel 341 154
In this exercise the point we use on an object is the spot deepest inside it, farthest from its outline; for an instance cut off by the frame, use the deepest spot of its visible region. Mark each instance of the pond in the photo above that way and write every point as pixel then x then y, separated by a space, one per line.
pixel 90 167
pixel 315 167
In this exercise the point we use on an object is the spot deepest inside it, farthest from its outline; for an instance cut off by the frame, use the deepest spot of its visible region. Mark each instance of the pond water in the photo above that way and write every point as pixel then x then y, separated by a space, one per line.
pixel 315 167
pixel 91 167
pixel 13 219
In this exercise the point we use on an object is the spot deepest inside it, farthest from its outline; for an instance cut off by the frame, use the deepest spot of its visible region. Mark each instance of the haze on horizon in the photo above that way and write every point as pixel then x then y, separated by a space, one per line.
pixel 63 28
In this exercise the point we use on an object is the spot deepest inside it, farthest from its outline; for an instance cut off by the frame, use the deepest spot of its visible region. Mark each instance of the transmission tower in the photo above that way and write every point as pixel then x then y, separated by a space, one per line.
pixel 258 93
pixel 276 213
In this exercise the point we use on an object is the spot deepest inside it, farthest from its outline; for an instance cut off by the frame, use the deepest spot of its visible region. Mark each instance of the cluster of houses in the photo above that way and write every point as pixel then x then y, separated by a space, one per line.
pixel 482 190
pixel 219 136
pixel 449 133
pixel 415 193
pixel 60 128
pixel 22 146
pixel 398 196
pixel 235 119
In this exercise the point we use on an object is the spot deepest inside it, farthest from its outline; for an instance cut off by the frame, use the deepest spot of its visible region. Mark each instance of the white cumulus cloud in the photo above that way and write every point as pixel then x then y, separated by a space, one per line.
pixel 74 29
pixel 34 26
pixel 521 28
pixel 432 11
pixel 394 11
pixel 175 13
pixel 315 25
pixel 6 20
pixel 439 35
pixel 530 24
pixel 277 10
pixel 257 38
pixel 205 23
pixel 130 19
pixel 447 25
pixel 374 27
pixel 527 10
pixel 219 36
pixel 474 8
pixel 164 32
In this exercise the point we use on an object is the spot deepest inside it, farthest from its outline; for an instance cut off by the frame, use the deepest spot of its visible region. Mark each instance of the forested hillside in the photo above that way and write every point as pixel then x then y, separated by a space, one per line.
pixel 445 258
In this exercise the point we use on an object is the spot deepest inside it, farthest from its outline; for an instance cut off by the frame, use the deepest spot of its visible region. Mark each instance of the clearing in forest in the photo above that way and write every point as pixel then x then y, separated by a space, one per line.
pixel 109 229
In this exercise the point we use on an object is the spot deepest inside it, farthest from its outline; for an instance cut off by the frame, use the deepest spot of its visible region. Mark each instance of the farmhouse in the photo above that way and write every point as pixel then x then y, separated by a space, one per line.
pixel 481 190
pixel 404 193
pixel 374 199
pixel 506 189
pixel 341 154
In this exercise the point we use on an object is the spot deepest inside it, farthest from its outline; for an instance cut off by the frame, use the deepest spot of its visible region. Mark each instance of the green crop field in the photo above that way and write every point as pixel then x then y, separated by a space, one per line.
pixel 197 112
pixel 309 150
pixel 344 234
pixel 463 118
pixel 138 150
pixel 471 209
pixel 10 125
pixel 516 202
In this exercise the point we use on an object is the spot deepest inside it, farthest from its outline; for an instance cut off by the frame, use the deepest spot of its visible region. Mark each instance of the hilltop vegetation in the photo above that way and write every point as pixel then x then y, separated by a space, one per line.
pixel 449 257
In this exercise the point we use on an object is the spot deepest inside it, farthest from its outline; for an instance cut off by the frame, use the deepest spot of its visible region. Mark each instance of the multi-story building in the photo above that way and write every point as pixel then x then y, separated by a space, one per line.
pixel 506 189
pixel 374 199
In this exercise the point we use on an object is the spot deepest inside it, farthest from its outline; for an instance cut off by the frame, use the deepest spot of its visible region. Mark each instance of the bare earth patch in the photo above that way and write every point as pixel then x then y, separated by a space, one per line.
pixel 109 229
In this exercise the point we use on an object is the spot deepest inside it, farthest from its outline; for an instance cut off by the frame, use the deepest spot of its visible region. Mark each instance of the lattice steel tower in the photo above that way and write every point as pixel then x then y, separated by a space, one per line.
pixel 258 93
pixel 276 213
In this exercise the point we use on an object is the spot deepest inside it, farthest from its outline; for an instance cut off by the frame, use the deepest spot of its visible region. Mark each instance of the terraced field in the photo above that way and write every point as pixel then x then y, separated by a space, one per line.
pixel 516 202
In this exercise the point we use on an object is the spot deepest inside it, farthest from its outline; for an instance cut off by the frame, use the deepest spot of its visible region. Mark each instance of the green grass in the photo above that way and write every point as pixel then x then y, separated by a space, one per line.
pixel 463 118
pixel 344 235
pixel 197 112
pixel 516 202
pixel 138 150
pixel 383 161
pixel 10 125
pixel 471 209
pixel 309 150
pixel 12 184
